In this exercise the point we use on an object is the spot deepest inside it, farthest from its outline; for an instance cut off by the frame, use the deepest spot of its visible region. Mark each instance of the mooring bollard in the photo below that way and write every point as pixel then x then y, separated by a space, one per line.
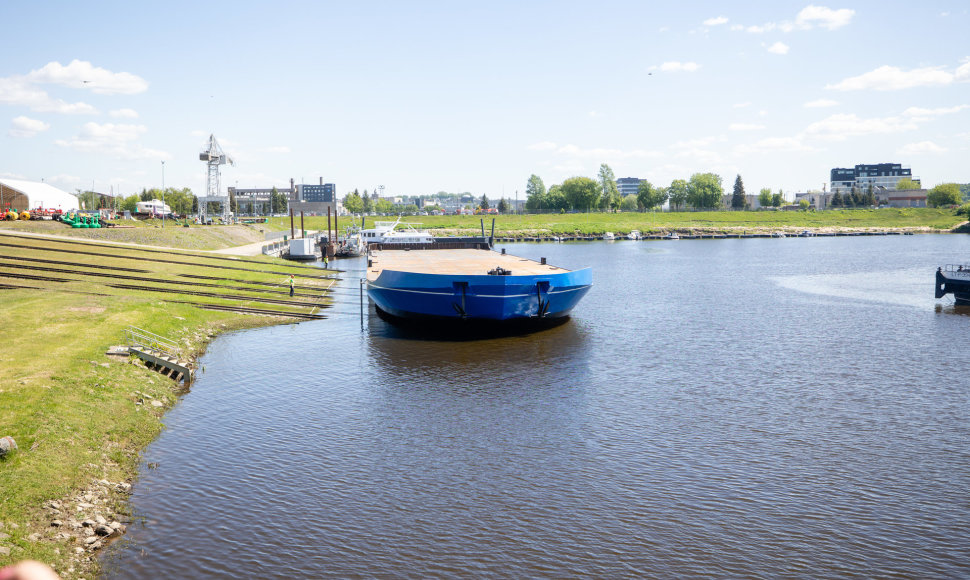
pixel 7 444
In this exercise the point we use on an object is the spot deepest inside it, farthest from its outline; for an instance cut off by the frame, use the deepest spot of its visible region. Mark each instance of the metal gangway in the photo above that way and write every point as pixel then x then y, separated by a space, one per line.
pixel 159 352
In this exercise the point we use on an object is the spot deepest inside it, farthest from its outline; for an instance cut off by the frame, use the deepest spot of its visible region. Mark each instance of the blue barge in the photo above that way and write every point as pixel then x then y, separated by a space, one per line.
pixel 471 284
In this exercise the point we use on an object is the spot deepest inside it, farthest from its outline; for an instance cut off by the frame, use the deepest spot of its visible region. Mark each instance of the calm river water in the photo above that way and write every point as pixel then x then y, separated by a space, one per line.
pixel 758 408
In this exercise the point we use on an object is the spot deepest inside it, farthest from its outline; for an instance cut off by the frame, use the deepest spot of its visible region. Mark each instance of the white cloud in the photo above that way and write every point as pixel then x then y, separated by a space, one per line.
pixel 921 147
pixel 25 127
pixel 742 105
pixel 675 66
pixel 841 126
pixel 963 71
pixel 124 113
pixel 82 74
pixel 117 140
pixel 819 103
pixel 17 90
pixel 809 17
pixel 891 78
pixel 778 48
pixel 920 114
pixel 716 21
pixel 824 17
pixel 595 114
pixel 745 127
pixel 755 29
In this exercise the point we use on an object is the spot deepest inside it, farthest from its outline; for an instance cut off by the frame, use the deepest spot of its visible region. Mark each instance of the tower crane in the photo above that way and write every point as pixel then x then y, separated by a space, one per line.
pixel 214 156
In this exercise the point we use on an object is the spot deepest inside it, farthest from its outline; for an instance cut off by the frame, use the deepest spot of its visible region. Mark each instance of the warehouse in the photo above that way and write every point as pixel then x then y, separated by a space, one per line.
pixel 21 195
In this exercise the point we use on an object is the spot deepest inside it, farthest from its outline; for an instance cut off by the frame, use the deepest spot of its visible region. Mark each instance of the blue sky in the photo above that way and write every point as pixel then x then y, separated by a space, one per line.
pixel 427 96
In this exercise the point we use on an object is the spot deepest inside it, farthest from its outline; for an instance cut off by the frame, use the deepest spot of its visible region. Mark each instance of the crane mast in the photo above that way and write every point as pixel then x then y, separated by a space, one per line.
pixel 214 156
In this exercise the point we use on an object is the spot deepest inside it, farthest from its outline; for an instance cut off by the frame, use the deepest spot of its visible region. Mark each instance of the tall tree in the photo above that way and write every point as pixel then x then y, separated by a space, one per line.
pixel 535 192
pixel 556 199
pixel 943 195
pixel 484 203
pixel 582 193
pixel 649 196
pixel 737 200
pixel 353 203
pixel 705 190
pixel 610 198
pixel 503 206
pixel 764 197
pixel 535 186
pixel 678 192
pixel 836 200
pixel 777 199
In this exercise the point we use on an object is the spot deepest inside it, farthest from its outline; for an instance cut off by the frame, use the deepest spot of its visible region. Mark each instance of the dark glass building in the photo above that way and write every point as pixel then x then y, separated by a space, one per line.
pixel 318 193
pixel 880 176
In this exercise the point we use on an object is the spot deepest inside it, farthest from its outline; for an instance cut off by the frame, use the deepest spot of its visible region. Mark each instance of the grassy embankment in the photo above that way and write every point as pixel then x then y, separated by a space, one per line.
pixel 716 222
pixel 150 233
pixel 78 417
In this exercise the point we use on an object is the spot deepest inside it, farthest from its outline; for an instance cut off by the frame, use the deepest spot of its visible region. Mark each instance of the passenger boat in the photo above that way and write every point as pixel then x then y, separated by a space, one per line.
pixel 385 233
pixel 954 279
pixel 470 282
pixel 634 235
pixel 609 236
pixel 672 236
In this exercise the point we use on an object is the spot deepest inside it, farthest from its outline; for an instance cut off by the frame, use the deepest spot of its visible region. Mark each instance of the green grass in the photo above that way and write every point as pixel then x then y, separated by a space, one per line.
pixel 151 233
pixel 72 410
pixel 927 219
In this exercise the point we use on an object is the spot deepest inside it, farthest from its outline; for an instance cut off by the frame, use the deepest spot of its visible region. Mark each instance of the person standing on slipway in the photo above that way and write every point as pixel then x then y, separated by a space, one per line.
pixel 291 284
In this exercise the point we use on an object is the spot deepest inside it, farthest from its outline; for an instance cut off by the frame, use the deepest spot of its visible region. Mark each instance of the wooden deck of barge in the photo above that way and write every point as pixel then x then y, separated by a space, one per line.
pixel 454 262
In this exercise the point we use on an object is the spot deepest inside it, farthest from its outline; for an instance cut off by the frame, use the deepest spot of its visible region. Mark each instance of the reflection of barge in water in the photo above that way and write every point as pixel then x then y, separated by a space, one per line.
pixel 954 279
pixel 467 281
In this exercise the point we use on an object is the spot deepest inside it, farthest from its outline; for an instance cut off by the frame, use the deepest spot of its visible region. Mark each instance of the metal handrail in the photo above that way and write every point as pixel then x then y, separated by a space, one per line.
pixel 137 337
pixel 958 269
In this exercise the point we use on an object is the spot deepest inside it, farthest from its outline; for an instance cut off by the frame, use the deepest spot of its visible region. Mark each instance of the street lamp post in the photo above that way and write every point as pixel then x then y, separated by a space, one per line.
pixel 163 193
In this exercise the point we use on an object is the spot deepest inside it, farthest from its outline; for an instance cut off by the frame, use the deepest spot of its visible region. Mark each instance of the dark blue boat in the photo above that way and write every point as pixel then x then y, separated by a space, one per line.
pixel 954 279
pixel 472 285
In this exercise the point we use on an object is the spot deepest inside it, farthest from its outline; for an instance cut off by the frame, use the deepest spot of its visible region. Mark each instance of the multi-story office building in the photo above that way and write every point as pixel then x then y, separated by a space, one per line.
pixel 881 176
pixel 315 199
pixel 627 185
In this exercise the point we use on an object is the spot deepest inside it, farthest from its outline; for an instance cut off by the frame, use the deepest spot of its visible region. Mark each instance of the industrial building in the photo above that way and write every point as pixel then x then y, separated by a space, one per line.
pixel 314 199
pixel 21 195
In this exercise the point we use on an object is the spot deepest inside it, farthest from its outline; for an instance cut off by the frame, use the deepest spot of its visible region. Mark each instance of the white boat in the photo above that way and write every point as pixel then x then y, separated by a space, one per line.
pixel 385 233
pixel 672 236
pixel 609 236
pixel 778 235
pixel 634 235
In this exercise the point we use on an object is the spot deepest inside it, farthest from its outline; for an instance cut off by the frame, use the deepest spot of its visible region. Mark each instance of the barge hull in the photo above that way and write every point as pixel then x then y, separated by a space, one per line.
pixel 497 298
